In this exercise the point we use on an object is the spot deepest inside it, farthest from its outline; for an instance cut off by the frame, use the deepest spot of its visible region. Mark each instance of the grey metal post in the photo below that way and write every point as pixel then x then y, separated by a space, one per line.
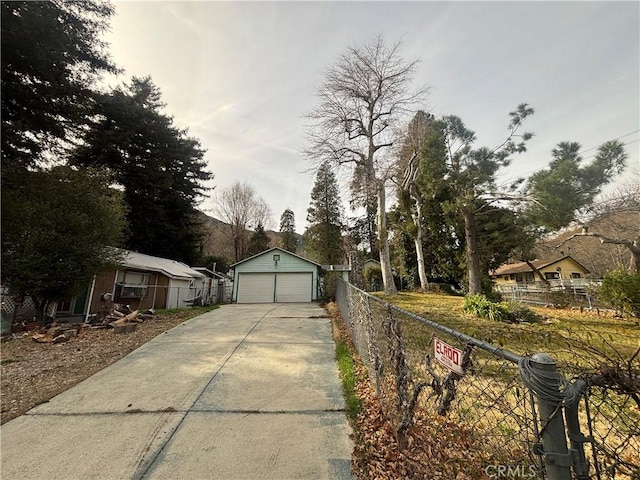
pixel 557 458
pixel 576 438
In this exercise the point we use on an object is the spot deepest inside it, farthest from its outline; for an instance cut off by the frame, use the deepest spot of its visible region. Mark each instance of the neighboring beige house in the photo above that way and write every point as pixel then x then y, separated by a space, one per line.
pixel 556 272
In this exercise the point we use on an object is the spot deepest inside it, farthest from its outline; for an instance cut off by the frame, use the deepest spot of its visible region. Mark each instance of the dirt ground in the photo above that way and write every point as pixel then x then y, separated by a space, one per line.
pixel 31 373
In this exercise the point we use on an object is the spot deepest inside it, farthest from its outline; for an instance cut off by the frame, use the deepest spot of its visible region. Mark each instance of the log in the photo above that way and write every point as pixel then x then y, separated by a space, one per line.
pixel 70 333
pixel 127 318
pixel 60 339
pixel 124 327
pixel 41 338
pixel 55 331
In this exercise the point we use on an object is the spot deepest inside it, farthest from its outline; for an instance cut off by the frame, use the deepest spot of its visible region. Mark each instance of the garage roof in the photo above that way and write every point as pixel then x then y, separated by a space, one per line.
pixel 273 250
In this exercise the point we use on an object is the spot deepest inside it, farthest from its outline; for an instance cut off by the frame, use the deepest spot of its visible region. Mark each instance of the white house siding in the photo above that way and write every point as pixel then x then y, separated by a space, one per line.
pixel 180 290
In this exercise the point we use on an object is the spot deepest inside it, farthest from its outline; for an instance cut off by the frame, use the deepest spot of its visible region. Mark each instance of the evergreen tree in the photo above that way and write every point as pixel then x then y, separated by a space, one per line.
pixel 56 221
pixel 51 56
pixel 323 238
pixel 567 186
pixel 259 241
pixel 287 239
pixel 57 231
pixel 471 175
pixel 160 167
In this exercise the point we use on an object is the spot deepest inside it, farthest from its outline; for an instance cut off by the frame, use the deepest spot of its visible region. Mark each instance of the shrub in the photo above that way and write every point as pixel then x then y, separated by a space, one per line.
pixel 482 307
pixel 328 286
pixel 560 299
pixel 512 311
pixel 373 277
pixel 521 313
pixel 621 290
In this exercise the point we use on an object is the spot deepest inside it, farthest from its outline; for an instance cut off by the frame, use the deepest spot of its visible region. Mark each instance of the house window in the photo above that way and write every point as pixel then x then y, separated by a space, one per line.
pixel 575 275
pixel 528 277
pixel 552 275
pixel 132 284
pixel 64 306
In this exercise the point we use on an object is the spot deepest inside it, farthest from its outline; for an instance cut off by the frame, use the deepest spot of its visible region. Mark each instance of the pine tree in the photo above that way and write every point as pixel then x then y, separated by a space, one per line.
pixel 161 168
pixel 51 56
pixel 259 241
pixel 568 186
pixel 323 238
pixel 287 238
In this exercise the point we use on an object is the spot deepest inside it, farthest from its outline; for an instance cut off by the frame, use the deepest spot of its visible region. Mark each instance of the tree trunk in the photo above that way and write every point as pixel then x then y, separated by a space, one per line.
pixel 416 216
pixel 41 307
pixel 635 253
pixel 473 260
pixel 383 236
pixel 538 272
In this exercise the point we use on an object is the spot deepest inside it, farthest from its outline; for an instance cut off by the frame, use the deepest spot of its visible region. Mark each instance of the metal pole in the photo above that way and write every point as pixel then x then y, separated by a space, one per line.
pixel 557 458
pixel 576 437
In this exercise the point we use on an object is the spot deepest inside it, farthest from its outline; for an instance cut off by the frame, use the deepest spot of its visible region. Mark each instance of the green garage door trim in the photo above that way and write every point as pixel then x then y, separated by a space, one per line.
pixel 289 287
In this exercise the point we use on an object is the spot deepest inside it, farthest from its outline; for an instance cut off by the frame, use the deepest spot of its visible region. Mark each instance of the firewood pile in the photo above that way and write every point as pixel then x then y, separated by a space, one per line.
pixel 56 333
pixel 121 318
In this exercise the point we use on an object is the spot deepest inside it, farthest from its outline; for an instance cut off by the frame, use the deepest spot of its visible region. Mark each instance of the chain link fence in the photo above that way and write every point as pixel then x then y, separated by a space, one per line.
pixel 510 409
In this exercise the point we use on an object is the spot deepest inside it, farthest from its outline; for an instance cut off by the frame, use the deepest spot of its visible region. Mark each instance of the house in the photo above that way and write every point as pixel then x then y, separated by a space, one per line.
pixel 555 272
pixel 371 263
pixel 275 276
pixel 144 281
pixel 373 281
pixel 343 269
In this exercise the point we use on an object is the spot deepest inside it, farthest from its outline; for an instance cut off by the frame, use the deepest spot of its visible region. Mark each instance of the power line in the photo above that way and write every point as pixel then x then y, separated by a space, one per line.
pixel 597 146
pixel 526 174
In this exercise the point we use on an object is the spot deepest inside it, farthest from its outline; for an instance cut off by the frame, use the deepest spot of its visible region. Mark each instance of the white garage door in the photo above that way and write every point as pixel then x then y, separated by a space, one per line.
pixel 293 287
pixel 269 287
pixel 256 287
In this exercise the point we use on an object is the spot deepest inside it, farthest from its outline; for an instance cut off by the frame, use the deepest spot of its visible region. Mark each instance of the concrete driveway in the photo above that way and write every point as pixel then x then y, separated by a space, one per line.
pixel 241 392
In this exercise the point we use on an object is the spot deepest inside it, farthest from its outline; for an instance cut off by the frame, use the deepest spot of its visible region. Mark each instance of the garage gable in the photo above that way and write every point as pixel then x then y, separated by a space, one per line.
pixel 275 275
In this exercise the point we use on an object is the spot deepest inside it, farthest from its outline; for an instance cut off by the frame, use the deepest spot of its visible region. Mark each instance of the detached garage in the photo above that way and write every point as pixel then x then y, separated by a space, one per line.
pixel 275 276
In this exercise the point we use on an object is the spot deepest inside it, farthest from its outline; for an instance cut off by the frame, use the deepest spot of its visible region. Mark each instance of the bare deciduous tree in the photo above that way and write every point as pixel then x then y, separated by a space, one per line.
pixel 239 206
pixel 364 96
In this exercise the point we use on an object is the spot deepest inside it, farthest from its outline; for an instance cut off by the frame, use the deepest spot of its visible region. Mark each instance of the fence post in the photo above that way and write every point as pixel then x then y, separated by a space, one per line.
pixel 554 449
pixel 576 438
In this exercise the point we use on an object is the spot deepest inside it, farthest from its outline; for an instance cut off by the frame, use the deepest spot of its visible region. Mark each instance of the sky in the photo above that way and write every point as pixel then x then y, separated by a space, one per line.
pixel 242 76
